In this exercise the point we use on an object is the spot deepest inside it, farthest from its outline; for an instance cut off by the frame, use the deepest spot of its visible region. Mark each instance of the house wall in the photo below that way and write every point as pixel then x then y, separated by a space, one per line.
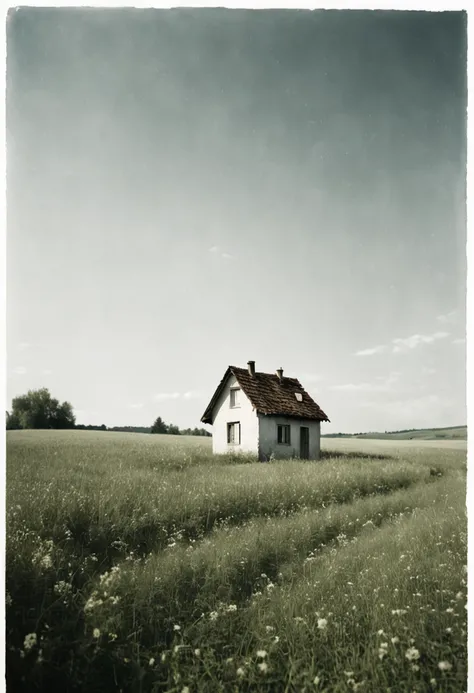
pixel 268 437
pixel 245 415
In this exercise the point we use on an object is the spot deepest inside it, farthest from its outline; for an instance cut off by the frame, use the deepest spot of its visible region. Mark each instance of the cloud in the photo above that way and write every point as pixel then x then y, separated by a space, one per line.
pixel 227 256
pixel 403 345
pixel 385 384
pixel 192 394
pixel 214 249
pixel 370 352
pixel 461 340
pixel 448 318
pixel 19 370
pixel 161 396
pixel 139 405
pixel 408 343
pixel 428 371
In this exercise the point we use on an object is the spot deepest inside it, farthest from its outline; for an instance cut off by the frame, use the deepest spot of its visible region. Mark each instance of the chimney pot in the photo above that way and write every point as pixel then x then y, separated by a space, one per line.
pixel 251 365
pixel 280 374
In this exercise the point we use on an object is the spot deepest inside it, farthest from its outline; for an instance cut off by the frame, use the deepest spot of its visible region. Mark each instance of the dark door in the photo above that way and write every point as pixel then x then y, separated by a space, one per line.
pixel 304 442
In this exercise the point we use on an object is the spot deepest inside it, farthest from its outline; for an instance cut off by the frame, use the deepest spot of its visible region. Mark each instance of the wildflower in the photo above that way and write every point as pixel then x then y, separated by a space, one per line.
pixel 459 595
pixel 185 689
pixel 322 623
pixel 415 667
pixel 450 610
pixel 316 680
pixel 380 632
pixel 213 615
pixel 261 654
pixel 444 666
pixel 298 619
pixel 412 653
pixel 151 662
pixel 197 651
pixel 176 627
pixel 232 607
pixel 46 561
pixel 276 639
pixel 433 682
pixel 449 630
pixel 395 640
pixel 30 641
pixel 229 660
pixel 398 612
pixel 263 666
pixel 269 629
pixel 112 636
pixel 240 671
pixel 96 633
pixel 163 656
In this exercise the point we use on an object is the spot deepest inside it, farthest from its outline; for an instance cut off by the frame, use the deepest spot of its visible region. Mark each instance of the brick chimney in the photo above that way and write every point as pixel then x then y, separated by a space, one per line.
pixel 280 374
pixel 251 366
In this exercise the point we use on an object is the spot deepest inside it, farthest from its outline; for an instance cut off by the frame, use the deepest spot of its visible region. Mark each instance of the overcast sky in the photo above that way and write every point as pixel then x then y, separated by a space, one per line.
pixel 196 188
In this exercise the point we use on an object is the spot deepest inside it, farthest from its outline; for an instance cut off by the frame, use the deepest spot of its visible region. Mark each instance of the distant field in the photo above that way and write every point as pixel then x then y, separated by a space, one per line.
pixel 144 563
pixel 451 433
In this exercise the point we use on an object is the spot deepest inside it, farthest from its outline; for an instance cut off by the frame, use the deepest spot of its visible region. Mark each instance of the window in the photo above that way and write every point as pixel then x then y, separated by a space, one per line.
pixel 299 396
pixel 235 397
pixel 284 437
pixel 233 433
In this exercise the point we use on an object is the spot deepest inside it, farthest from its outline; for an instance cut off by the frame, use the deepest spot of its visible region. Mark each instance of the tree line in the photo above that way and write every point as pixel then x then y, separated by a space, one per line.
pixel 38 409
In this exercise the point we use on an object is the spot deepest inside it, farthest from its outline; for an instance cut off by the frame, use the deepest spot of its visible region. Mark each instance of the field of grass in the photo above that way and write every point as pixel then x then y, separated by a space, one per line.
pixel 143 563
pixel 448 433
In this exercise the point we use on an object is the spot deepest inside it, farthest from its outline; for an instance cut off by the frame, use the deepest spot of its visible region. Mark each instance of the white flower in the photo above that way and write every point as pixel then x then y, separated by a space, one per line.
pixel 30 641
pixel 433 682
pixel 415 667
pixel 213 615
pixel 240 671
pixel 261 654
pixel 316 680
pixel 197 651
pixel 395 640
pixel 263 666
pixel 176 627
pixel 163 656
pixel 322 623
pixel 96 633
pixel 151 661
pixel 380 632
pixel 269 629
pixel 412 653
pixel 449 611
pixel 185 689
pixel 276 639
pixel 444 666
pixel 232 607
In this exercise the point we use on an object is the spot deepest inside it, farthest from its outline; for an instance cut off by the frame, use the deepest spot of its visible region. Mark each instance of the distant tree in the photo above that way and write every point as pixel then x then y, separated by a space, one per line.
pixel 159 426
pixel 37 409
pixel 173 430
pixel 12 422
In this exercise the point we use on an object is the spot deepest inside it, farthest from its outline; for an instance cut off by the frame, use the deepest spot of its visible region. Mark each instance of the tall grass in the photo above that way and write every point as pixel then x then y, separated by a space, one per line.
pixel 142 564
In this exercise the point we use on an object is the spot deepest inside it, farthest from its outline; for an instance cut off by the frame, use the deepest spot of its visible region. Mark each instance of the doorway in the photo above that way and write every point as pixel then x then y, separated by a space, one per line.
pixel 304 442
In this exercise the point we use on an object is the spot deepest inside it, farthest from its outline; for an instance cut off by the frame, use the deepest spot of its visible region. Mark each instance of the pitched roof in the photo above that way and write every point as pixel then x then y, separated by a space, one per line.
pixel 270 396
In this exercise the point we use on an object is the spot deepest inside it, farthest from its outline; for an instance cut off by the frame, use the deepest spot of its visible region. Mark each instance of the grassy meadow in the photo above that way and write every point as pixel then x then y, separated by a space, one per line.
pixel 141 563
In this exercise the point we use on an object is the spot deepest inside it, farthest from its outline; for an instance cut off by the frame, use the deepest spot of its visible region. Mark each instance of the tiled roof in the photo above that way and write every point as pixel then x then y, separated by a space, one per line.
pixel 270 396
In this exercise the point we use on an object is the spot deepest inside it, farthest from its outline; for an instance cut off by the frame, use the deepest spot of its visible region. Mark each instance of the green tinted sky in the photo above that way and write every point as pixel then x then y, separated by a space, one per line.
pixel 189 189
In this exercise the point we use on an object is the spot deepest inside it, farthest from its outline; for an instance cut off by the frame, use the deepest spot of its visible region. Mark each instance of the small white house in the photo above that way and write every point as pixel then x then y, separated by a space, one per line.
pixel 265 414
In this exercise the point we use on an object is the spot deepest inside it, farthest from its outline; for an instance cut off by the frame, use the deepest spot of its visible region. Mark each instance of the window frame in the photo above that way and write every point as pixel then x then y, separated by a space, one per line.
pixel 233 390
pixel 281 439
pixel 231 426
